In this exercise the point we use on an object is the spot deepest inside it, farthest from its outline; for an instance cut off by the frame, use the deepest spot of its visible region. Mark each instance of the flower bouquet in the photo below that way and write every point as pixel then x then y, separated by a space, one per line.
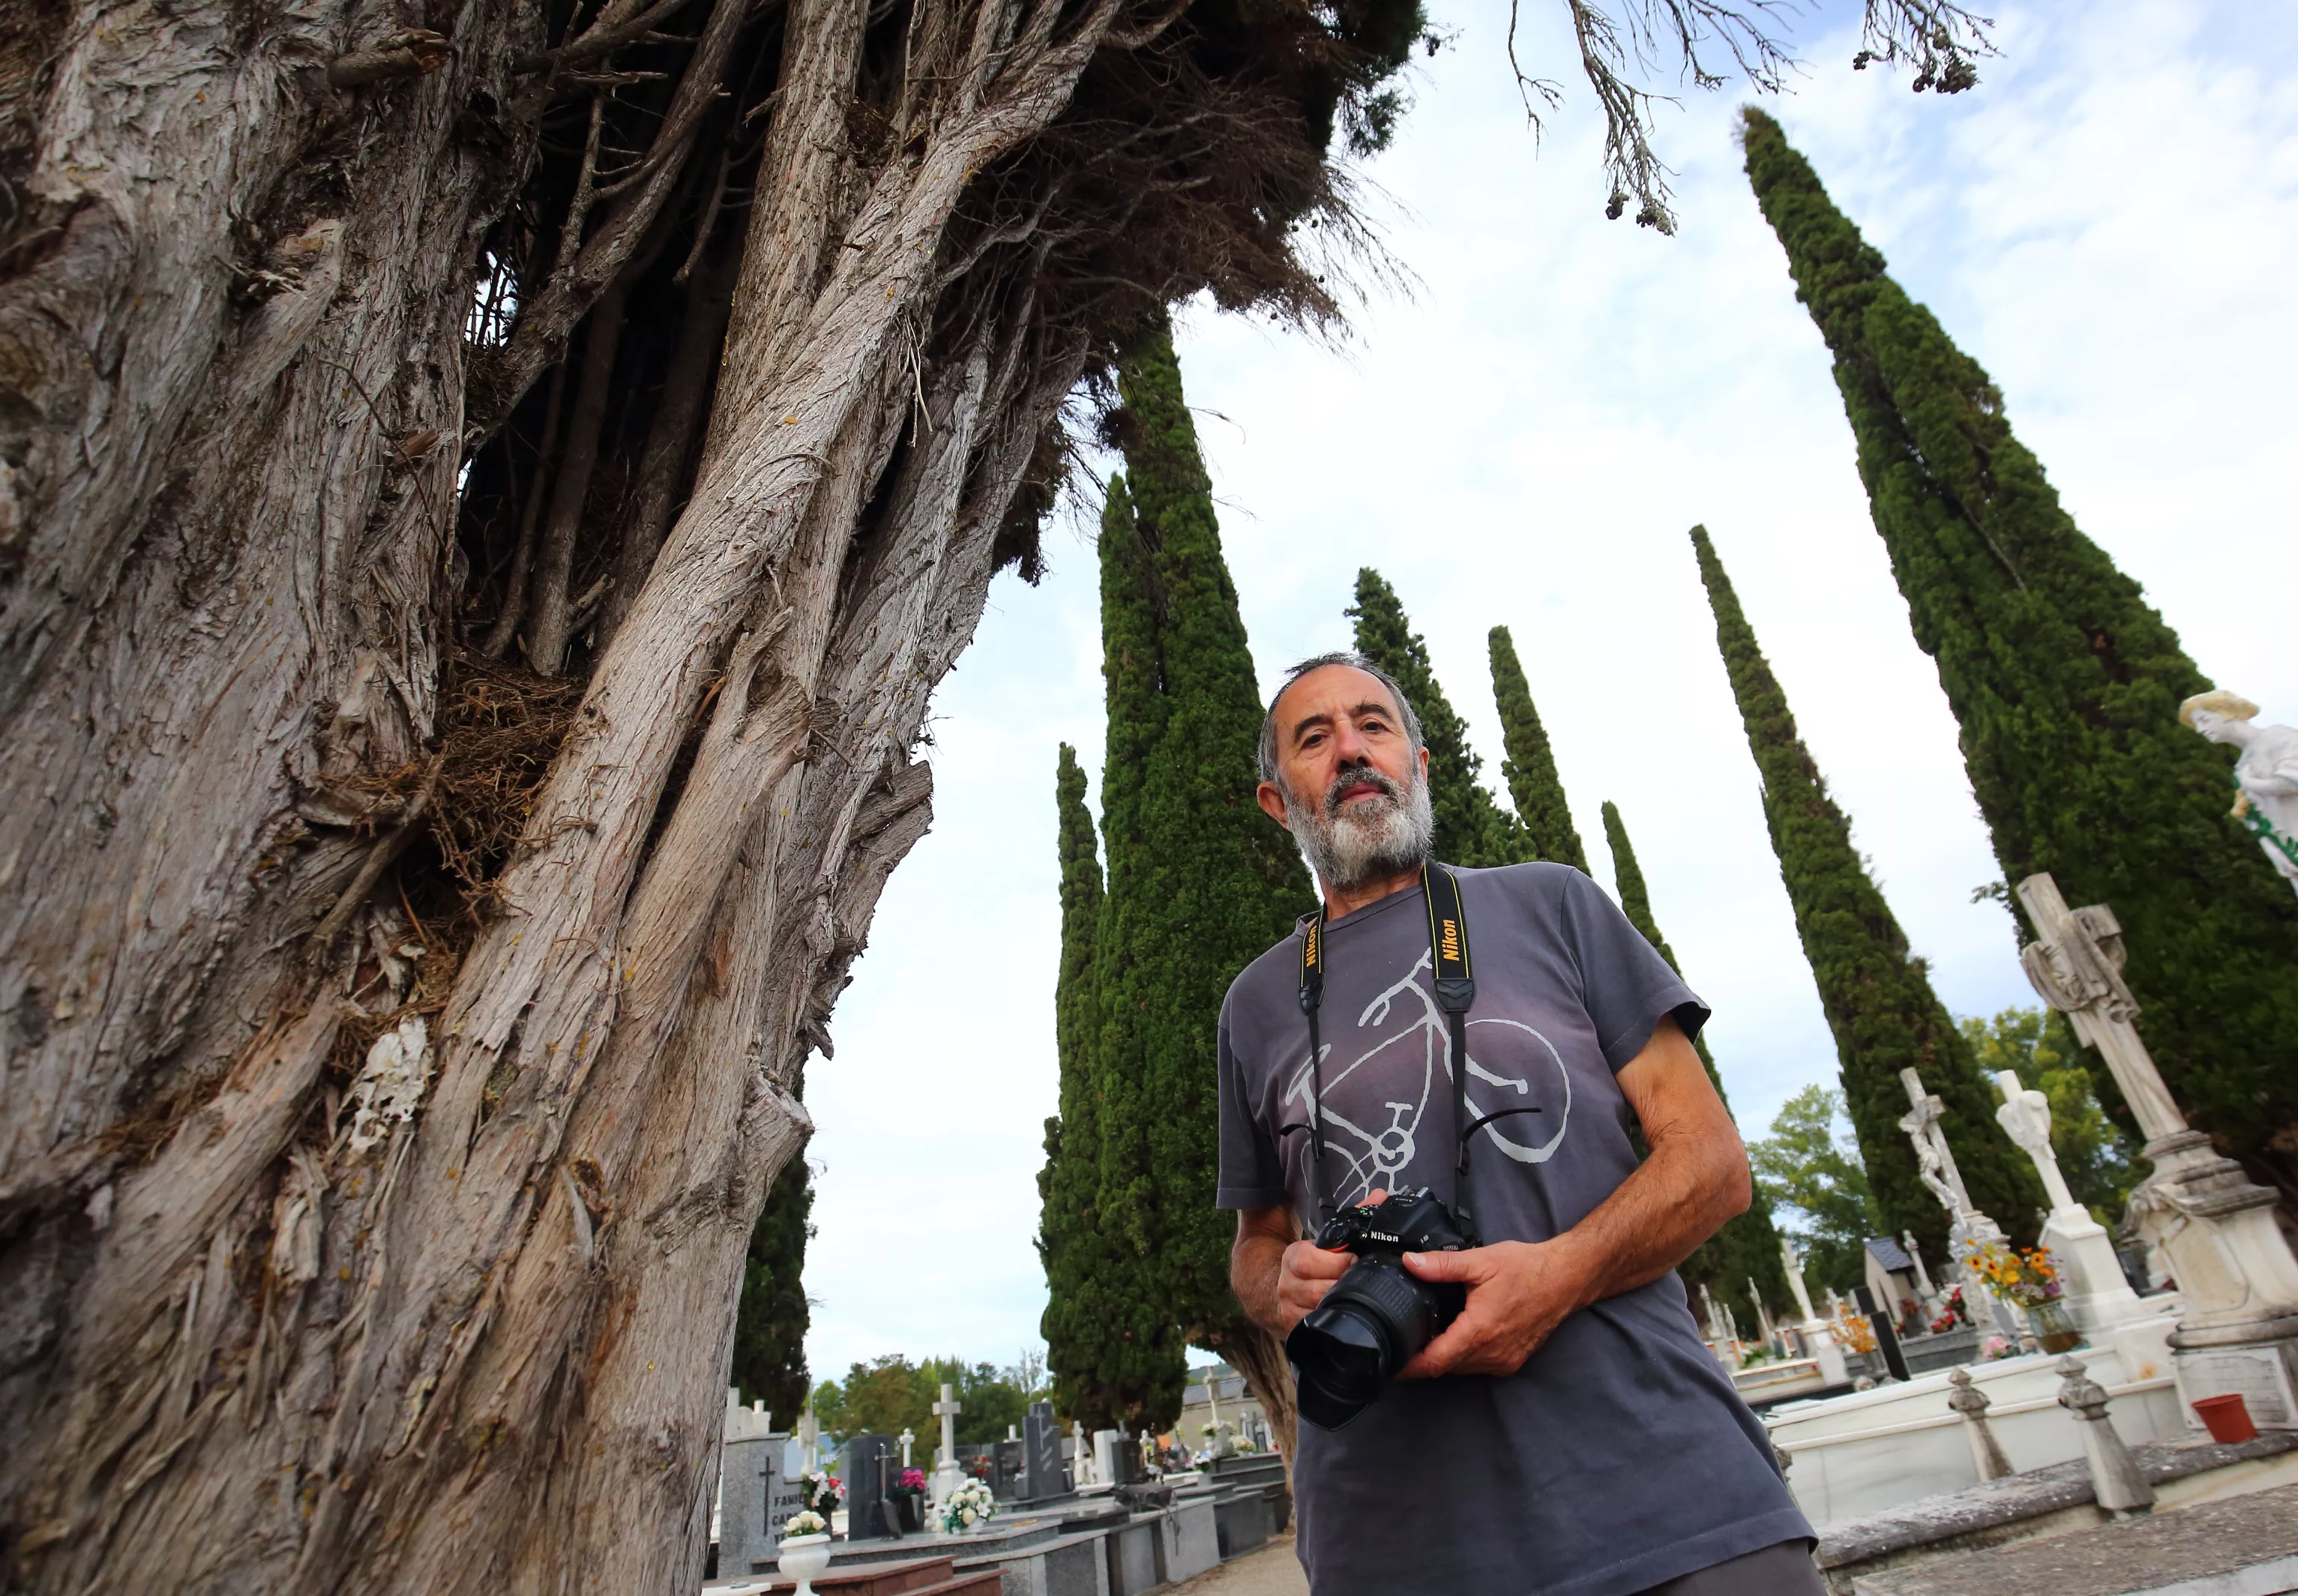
pixel 805 1523
pixel 1951 1313
pixel 2029 1276
pixel 820 1493
pixel 967 1507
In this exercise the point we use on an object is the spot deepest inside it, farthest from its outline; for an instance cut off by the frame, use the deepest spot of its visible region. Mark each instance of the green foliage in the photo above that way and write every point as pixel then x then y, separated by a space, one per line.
pixel 2065 682
pixel 770 1323
pixel 1471 828
pixel 1877 995
pixel 1089 1276
pixel 1806 1164
pixel 1748 1247
pixel 1200 882
pixel 2098 1158
pixel 890 1394
pixel 1530 767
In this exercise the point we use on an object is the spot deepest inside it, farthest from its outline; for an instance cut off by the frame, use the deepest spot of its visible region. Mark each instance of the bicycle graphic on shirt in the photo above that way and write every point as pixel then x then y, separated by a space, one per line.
pixel 1382 1152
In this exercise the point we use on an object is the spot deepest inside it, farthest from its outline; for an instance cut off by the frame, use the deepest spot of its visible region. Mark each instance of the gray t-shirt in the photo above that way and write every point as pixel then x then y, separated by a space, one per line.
pixel 1619 1456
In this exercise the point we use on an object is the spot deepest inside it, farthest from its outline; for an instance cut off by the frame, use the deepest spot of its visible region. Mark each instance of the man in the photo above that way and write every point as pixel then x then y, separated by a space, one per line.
pixel 1569 1433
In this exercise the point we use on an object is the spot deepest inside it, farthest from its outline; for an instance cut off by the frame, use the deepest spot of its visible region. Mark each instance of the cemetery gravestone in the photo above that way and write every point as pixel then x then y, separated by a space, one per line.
pixel 756 1498
pixel 1005 1470
pixel 873 1468
pixel 1042 1477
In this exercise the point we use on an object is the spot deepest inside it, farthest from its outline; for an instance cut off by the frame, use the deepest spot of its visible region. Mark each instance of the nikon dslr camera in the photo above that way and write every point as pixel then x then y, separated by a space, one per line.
pixel 1378 1315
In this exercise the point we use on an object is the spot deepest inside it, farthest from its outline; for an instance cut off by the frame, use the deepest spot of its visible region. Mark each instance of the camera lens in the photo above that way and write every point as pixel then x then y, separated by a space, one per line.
pixel 1350 1345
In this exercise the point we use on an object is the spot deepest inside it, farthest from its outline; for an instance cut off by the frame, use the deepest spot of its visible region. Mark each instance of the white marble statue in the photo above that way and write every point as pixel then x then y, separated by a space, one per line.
pixel 2091 1278
pixel 2266 776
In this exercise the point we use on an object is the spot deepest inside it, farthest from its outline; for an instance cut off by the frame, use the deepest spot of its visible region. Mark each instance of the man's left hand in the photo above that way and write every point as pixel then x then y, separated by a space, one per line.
pixel 1518 1292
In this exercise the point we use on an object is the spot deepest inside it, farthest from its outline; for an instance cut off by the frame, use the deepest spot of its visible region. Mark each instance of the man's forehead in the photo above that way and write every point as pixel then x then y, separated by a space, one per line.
pixel 1330 689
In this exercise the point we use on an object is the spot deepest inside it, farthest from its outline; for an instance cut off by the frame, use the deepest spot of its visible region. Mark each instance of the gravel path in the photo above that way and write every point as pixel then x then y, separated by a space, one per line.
pixel 1271 1571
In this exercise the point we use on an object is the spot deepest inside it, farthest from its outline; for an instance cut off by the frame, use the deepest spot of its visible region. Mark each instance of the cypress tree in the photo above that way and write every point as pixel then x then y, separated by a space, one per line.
pixel 2065 682
pixel 771 1320
pixel 1530 767
pixel 1201 882
pixel 1471 828
pixel 1748 1247
pixel 1089 1281
pixel 1877 995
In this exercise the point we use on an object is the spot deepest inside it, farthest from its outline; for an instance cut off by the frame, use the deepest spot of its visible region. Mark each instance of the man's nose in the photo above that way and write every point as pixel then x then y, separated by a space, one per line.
pixel 1349 746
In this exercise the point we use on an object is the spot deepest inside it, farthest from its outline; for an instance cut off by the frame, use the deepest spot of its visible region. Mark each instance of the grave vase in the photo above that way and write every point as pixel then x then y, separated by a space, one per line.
pixel 802 1557
pixel 2055 1327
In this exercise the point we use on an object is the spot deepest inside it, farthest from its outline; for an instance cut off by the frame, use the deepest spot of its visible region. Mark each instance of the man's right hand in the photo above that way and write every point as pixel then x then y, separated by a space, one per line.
pixel 1278 1278
pixel 1302 1279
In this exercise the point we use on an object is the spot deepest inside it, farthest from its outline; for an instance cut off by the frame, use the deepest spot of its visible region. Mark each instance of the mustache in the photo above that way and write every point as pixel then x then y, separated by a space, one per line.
pixel 1359 775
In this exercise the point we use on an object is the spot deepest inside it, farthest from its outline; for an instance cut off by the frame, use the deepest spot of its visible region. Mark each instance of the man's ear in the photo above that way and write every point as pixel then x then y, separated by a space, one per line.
pixel 1424 761
pixel 1272 801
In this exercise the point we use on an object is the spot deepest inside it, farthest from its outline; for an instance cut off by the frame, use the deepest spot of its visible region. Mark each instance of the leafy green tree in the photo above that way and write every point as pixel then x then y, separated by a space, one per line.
pixel 770 1323
pixel 1748 1247
pixel 1877 995
pixel 890 1394
pixel 1200 882
pixel 2099 1159
pixel 1471 828
pixel 1808 1165
pixel 2066 683
pixel 1530 767
pixel 1092 1277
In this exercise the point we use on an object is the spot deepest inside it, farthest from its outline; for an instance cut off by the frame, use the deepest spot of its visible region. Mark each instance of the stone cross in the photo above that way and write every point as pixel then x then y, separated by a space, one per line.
pixel 908 1441
pixel 2206 1216
pixel 2075 964
pixel 1714 1324
pixel 1081 1463
pixel 1794 1267
pixel 1762 1314
pixel 809 1439
pixel 1922 1274
pixel 946 1410
pixel 2025 1117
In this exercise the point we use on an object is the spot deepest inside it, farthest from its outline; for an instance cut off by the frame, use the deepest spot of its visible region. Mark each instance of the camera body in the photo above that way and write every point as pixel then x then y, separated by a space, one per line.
pixel 1378 1315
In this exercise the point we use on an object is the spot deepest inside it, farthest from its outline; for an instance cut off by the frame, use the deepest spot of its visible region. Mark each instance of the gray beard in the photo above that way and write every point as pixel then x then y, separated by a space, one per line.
pixel 1375 837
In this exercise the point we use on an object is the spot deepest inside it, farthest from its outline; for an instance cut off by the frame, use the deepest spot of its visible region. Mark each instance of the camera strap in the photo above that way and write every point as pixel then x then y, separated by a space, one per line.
pixel 1456 993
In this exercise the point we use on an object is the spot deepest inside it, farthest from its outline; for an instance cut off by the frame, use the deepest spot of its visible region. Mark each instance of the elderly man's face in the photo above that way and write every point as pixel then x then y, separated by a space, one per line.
pixel 1352 787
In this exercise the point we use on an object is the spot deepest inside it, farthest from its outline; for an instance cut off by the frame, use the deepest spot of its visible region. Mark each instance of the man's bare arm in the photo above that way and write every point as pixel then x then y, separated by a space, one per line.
pixel 1277 1275
pixel 1695 1179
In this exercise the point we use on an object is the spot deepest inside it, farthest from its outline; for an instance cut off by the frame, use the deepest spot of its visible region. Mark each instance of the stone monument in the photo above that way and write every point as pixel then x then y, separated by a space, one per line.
pixel 2265 778
pixel 1932 1303
pixel 755 1496
pixel 2238 1332
pixel 870 1476
pixel 2096 1294
pixel 1042 1475
pixel 1967 1229
pixel 948 1476
pixel 1818 1334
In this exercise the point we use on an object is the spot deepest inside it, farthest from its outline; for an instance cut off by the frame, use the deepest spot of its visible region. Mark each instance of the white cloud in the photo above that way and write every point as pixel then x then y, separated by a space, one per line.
pixel 2104 224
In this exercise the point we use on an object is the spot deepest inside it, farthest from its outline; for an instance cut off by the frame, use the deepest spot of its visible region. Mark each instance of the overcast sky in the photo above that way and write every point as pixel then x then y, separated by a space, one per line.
pixel 2108 224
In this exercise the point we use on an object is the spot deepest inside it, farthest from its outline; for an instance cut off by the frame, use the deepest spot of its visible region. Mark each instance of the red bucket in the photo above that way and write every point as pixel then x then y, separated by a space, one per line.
pixel 2228 1418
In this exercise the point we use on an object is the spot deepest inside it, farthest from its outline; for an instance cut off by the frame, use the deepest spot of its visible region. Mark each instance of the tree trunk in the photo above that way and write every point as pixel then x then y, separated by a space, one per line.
pixel 399 1270
pixel 1259 1358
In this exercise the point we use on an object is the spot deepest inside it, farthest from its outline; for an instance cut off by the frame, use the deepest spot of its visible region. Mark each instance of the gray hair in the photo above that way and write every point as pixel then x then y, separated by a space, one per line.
pixel 1318 662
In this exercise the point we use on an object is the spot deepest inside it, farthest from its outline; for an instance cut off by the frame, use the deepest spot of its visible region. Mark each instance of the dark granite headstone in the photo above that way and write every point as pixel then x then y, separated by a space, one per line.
pixel 873 1468
pixel 1125 1460
pixel 1005 1469
pixel 1041 1473
pixel 1887 1340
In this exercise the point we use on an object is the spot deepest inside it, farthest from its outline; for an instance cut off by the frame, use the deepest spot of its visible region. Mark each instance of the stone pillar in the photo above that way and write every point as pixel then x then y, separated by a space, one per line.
pixel 2115 1474
pixel 2239 1329
pixel 1969 1401
pixel 2096 1294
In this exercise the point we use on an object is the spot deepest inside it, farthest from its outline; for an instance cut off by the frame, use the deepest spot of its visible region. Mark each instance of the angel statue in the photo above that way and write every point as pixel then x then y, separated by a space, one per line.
pixel 2266 776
